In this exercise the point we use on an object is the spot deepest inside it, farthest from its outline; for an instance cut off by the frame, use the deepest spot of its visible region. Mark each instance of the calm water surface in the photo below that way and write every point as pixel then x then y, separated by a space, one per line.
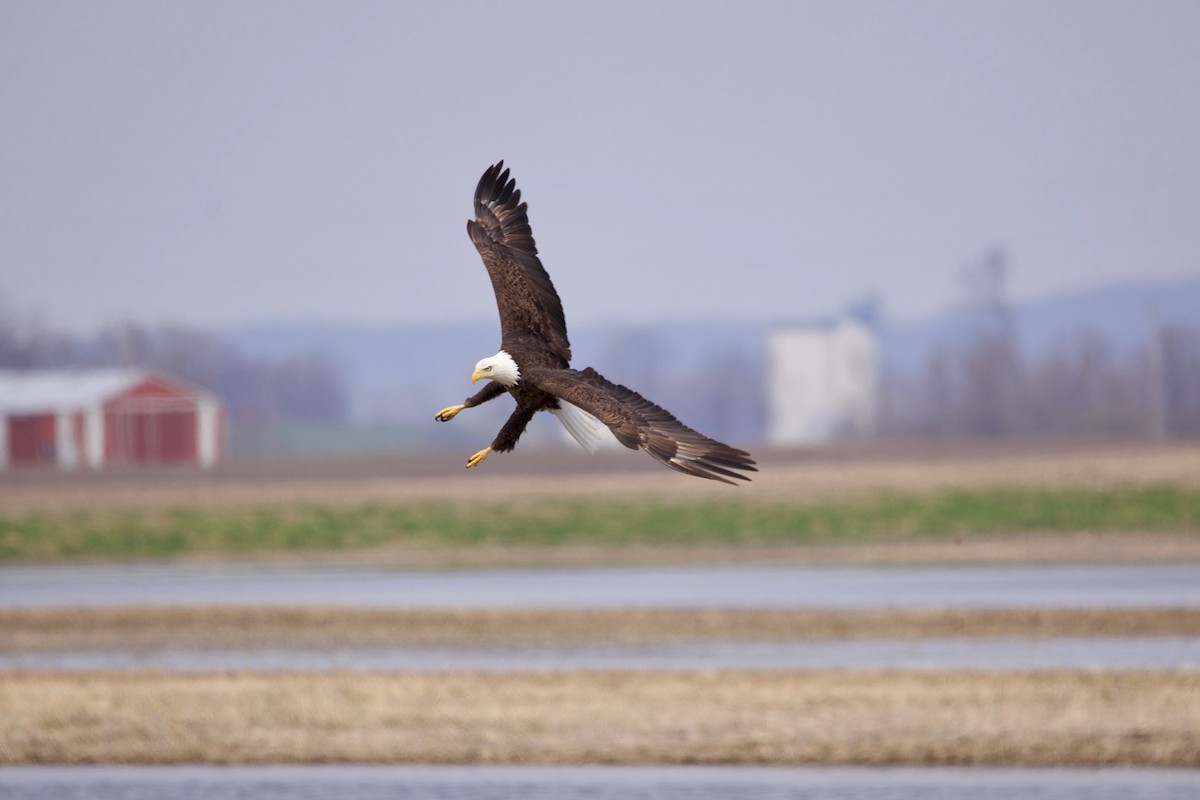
pixel 1165 652
pixel 593 783
pixel 685 587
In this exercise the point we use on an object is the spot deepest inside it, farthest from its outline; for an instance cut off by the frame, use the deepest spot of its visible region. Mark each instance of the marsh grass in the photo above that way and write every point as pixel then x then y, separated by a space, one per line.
pixel 1061 718
pixel 129 534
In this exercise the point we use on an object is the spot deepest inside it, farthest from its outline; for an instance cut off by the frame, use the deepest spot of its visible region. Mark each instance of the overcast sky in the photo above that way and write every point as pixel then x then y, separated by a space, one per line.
pixel 220 162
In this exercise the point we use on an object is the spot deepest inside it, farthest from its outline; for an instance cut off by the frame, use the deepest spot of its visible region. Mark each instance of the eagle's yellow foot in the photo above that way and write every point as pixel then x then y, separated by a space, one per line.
pixel 477 459
pixel 448 413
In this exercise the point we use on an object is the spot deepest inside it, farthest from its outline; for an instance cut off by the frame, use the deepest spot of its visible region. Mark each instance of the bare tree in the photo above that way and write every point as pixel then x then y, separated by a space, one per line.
pixel 26 343
pixel 991 364
pixel 1181 380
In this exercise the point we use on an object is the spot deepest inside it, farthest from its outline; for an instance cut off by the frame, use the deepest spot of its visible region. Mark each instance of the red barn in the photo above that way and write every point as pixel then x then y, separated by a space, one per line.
pixel 93 418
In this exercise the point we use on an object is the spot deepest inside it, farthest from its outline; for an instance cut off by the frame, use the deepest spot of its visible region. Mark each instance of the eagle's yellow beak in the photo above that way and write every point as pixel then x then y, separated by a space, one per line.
pixel 478 375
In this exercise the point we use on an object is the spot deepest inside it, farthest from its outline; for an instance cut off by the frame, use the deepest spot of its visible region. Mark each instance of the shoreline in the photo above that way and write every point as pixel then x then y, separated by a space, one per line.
pixel 259 627
pixel 797 475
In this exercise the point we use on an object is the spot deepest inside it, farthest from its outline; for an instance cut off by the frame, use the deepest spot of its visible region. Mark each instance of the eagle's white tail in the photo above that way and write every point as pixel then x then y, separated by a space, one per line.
pixel 583 427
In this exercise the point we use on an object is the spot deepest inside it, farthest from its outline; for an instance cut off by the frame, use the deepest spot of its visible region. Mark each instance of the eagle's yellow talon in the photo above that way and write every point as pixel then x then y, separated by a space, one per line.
pixel 448 413
pixel 477 459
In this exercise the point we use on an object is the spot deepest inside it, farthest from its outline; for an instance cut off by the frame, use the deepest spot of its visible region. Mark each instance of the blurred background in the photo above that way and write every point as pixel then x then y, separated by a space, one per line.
pixel 789 223
pixel 936 264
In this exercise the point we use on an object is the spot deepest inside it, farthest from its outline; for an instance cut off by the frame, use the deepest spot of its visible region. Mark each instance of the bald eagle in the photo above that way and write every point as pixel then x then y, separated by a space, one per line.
pixel 533 364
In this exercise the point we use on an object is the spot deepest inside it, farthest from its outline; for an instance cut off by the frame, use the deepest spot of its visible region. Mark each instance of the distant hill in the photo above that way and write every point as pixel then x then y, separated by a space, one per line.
pixel 404 374
pixel 390 369
pixel 407 373
pixel 1119 313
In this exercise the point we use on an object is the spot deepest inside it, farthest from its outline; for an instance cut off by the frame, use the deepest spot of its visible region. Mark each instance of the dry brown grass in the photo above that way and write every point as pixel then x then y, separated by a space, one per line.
pixel 316 627
pixel 1019 718
pixel 793 475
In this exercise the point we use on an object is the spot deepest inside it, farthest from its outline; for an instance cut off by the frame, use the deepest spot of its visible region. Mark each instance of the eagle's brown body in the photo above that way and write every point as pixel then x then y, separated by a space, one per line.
pixel 534 343
pixel 530 400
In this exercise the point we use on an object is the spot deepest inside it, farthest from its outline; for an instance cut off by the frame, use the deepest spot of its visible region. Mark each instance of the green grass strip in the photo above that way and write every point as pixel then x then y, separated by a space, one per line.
pixel 140 534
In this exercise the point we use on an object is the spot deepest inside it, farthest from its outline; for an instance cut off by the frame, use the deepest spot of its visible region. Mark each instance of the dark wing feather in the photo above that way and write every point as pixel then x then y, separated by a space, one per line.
pixel 637 422
pixel 524 294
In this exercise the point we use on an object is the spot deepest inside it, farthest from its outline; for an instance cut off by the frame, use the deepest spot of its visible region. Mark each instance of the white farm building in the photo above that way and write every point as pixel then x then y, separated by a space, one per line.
pixel 822 382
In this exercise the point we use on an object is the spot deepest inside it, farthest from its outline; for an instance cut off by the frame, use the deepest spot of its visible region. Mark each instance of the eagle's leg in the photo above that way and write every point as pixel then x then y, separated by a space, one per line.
pixel 477 459
pixel 506 439
pixel 489 392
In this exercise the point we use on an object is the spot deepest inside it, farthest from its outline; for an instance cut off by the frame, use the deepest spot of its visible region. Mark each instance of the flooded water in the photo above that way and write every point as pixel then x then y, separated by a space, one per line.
pixel 1151 585
pixel 701 587
pixel 1166 652
pixel 592 783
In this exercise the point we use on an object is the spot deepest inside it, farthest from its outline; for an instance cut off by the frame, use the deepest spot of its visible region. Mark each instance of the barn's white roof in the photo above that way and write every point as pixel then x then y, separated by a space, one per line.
pixel 34 391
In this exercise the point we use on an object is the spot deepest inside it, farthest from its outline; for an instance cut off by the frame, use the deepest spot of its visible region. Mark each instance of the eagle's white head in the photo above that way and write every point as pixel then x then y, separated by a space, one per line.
pixel 501 368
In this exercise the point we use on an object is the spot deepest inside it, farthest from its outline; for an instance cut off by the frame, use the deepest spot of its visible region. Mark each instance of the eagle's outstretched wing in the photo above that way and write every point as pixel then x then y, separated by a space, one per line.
pixel 524 294
pixel 637 422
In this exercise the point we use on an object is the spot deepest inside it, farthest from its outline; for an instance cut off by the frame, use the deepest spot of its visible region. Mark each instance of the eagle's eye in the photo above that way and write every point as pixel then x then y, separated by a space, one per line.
pixel 488 368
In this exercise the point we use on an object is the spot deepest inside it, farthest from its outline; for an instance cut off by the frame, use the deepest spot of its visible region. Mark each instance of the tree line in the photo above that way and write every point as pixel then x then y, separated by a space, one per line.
pixel 255 391
pixel 1080 389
